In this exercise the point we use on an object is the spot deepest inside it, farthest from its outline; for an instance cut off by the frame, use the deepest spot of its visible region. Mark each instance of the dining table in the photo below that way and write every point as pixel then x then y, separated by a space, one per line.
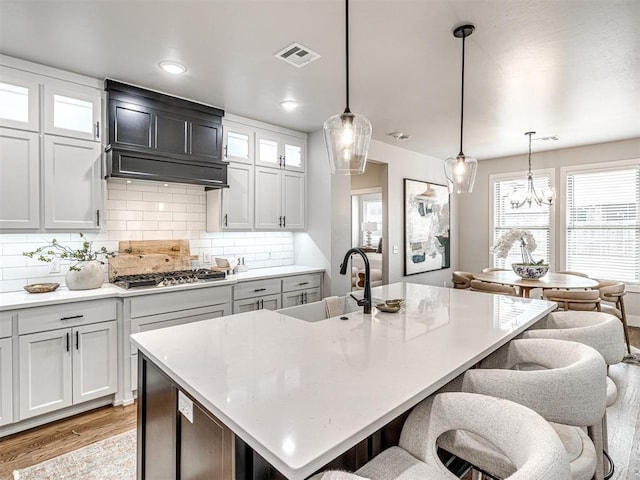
pixel 549 280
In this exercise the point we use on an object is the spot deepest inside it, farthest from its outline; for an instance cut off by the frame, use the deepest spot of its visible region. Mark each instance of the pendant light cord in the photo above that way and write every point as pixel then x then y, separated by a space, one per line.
pixel 530 133
pixel 462 97
pixel 346 42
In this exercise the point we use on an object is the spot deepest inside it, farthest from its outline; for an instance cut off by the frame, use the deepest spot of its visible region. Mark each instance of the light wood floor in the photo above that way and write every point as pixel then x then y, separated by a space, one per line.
pixel 36 445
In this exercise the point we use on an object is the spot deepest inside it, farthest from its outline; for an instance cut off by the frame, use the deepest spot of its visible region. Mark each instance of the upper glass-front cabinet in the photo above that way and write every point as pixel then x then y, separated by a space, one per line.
pixel 281 151
pixel 19 100
pixel 72 113
pixel 294 154
pixel 238 143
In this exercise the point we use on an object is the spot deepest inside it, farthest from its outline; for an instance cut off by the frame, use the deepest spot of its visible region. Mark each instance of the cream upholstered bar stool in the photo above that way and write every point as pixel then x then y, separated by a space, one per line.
pixel 565 382
pixel 495 288
pixel 584 300
pixel 461 279
pixel 601 331
pixel 612 291
pixel 526 439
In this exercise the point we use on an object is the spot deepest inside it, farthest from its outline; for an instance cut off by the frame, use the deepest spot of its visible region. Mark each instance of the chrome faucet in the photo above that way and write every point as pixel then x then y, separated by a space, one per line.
pixel 366 301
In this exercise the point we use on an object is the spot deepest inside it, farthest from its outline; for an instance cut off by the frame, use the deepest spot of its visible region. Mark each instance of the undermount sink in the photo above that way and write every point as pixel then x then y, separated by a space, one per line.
pixel 316 311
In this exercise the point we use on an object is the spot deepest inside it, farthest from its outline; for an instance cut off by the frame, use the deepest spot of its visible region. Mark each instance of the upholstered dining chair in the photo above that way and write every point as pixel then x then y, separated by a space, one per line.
pixel 577 274
pixel 461 279
pixel 612 291
pixel 526 439
pixel 585 300
pixel 496 288
pixel 495 269
pixel 601 331
pixel 565 382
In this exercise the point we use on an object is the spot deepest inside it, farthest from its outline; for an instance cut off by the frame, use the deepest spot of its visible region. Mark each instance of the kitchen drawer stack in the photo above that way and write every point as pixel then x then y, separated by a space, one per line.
pixel 276 293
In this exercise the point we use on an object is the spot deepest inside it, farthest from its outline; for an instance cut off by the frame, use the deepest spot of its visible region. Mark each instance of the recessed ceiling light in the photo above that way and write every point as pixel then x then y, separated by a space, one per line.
pixel 399 136
pixel 173 67
pixel 289 104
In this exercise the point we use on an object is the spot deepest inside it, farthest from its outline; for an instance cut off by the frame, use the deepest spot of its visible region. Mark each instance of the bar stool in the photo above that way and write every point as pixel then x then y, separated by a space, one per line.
pixel 565 382
pixel 462 279
pixel 612 291
pixel 600 331
pixel 526 439
pixel 496 288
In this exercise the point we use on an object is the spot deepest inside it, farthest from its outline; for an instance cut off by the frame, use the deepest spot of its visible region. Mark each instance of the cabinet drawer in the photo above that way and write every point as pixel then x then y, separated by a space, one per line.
pixel 5 324
pixel 175 301
pixel 258 288
pixel 41 319
pixel 301 282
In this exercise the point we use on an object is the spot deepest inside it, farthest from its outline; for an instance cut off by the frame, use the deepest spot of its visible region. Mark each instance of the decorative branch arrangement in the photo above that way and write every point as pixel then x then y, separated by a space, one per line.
pixel 85 254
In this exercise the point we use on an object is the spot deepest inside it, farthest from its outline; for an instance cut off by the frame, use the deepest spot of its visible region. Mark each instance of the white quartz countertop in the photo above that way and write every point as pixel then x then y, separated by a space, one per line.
pixel 300 393
pixel 24 299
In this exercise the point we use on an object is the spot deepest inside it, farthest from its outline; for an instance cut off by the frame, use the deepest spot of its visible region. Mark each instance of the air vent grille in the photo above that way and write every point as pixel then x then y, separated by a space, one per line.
pixel 297 55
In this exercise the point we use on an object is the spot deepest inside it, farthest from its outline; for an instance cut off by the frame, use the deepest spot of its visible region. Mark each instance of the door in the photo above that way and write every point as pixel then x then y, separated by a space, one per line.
pixel 95 362
pixel 268 149
pixel 45 372
pixel 6 379
pixel 238 143
pixel 293 153
pixel 19 100
pixel 266 302
pixel 237 200
pixel 268 198
pixel 291 299
pixel 72 183
pixel 72 112
pixel 19 179
pixel 293 200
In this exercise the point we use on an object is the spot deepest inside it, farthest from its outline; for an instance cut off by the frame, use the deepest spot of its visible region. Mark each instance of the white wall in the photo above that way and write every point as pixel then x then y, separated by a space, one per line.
pixel 146 211
pixel 329 212
pixel 474 208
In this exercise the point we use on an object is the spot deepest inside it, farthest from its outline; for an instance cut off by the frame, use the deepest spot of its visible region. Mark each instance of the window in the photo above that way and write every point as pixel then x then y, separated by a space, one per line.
pixel 602 220
pixel 535 218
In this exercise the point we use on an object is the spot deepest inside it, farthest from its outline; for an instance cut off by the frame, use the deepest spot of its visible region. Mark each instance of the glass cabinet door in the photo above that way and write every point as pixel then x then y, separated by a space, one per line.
pixel 19 100
pixel 72 113
pixel 238 142
pixel 268 147
pixel 293 154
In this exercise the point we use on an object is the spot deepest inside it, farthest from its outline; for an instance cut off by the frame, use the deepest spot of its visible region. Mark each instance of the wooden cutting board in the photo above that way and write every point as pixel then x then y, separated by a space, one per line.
pixel 150 256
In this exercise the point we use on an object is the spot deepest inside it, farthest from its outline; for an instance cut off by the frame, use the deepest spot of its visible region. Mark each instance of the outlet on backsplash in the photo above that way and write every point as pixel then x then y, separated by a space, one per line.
pixel 206 258
pixel 55 266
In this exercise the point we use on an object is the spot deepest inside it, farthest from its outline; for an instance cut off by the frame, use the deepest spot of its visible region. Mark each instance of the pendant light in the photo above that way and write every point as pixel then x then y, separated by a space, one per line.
pixel 517 199
pixel 461 169
pixel 348 134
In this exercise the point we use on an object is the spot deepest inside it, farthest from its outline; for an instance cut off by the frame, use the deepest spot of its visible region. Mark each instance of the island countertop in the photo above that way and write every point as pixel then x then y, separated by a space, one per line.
pixel 301 393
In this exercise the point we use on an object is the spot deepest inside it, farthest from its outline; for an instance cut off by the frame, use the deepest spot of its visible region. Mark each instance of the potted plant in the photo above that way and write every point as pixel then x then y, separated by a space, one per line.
pixel 529 268
pixel 85 271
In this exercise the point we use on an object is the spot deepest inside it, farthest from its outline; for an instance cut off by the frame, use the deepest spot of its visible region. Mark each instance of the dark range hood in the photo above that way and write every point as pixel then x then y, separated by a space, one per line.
pixel 153 136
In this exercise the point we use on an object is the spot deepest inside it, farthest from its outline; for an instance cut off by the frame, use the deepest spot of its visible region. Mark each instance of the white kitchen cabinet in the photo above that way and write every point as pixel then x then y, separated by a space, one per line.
pixel 238 143
pixel 72 110
pixel 6 382
pixel 73 183
pixel 238 199
pixel 280 199
pixel 265 302
pixel 280 151
pixel 300 289
pixel 67 355
pixel 257 295
pixel 310 295
pixel 19 179
pixel 19 100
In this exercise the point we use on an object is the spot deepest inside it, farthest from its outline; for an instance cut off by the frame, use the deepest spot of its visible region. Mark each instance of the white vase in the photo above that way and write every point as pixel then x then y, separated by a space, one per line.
pixel 90 275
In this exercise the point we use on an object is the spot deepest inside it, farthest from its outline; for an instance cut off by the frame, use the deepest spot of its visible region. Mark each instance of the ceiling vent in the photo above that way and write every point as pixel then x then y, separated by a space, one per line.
pixel 297 55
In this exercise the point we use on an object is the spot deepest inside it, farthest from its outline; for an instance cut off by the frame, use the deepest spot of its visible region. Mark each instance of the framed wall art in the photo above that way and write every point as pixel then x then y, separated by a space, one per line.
pixel 426 227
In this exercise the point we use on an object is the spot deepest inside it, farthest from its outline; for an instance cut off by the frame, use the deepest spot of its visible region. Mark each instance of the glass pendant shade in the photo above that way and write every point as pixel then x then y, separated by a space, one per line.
pixel 347 137
pixel 461 173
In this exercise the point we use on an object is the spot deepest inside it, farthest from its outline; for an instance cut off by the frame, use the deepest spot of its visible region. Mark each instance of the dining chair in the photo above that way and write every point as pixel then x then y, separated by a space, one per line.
pixel 526 439
pixel 585 300
pixel 495 269
pixel 495 288
pixel 565 382
pixel 612 291
pixel 578 274
pixel 601 331
pixel 461 279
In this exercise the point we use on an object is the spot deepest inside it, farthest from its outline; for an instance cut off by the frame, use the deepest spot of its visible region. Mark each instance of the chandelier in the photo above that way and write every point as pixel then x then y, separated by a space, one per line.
pixel 517 198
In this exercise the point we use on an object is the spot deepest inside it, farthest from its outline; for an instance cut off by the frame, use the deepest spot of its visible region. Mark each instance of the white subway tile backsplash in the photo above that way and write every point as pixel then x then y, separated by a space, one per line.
pixel 143 210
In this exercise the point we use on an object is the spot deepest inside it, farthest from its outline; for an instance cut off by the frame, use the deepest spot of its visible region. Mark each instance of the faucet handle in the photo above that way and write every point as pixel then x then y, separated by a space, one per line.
pixel 361 302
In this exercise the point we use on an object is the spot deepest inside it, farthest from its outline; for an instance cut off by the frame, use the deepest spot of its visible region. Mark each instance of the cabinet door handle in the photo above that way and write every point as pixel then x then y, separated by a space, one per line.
pixel 259 289
pixel 77 340
pixel 67 341
pixel 98 218
pixel 280 221
pixel 73 317
pixel 303 283
pixel 226 151
pixel 302 298
pixel 284 160
pixel 261 304
pixel 226 224
pixel 284 222
pixel 257 304
pixel 98 130
pixel 306 300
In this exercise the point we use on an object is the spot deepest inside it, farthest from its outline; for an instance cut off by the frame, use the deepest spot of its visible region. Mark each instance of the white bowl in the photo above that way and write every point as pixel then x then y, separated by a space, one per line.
pixel 529 272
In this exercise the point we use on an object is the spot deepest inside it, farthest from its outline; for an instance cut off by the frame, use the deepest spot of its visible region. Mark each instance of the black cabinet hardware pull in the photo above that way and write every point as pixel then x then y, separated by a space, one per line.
pixel 226 154
pixel 98 130
pixel 303 283
pixel 67 341
pixel 259 289
pixel 261 304
pixel 73 317
pixel 226 224
pixel 98 218
pixel 284 222
pixel 280 221
pixel 302 298
pixel 77 341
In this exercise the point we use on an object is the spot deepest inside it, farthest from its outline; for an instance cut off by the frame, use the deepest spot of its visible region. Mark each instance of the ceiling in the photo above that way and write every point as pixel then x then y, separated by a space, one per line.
pixel 560 67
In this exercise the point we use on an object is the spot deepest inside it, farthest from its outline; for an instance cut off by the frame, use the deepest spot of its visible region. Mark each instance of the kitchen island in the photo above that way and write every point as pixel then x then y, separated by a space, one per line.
pixel 299 394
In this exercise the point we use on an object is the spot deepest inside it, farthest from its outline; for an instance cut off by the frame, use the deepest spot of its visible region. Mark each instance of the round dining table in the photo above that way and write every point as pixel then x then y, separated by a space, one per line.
pixel 550 280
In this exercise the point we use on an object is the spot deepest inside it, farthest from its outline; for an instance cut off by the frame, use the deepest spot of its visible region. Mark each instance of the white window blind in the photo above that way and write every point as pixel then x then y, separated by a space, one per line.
pixel 603 222
pixel 534 218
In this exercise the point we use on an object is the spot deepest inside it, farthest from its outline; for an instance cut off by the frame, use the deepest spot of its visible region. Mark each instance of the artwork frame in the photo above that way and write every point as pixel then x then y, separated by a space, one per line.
pixel 427 227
